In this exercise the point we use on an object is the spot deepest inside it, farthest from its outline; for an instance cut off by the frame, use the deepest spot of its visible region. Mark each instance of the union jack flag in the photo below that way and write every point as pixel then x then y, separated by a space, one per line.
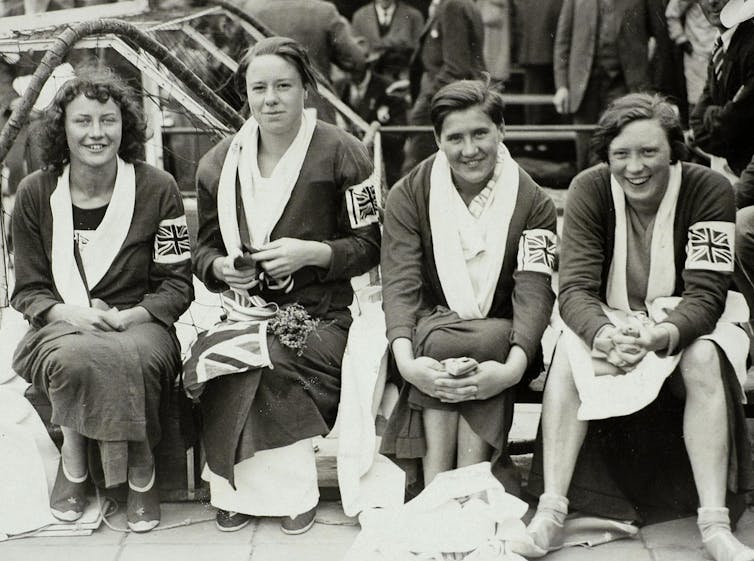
pixel 362 205
pixel 536 251
pixel 227 348
pixel 710 246
pixel 171 242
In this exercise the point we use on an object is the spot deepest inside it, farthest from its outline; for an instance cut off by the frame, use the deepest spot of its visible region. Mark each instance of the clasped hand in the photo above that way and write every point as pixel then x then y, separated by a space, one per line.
pixel 487 380
pixel 627 345
pixel 99 317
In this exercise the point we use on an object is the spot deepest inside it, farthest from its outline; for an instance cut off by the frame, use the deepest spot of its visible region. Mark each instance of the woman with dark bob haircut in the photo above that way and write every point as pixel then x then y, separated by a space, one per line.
pixel 103 270
pixel 467 256
pixel 641 416
pixel 286 218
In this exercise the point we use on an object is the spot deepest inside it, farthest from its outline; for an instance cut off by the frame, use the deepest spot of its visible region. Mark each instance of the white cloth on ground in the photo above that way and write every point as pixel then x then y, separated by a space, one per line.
pixel 28 467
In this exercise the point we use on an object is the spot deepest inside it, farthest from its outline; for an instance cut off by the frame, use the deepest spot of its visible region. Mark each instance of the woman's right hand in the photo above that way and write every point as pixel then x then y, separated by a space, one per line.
pixel 241 279
pixel 422 372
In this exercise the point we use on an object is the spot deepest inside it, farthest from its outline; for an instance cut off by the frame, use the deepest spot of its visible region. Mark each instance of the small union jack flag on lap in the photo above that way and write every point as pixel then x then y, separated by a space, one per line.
pixel 361 202
pixel 171 243
pixel 710 246
pixel 536 251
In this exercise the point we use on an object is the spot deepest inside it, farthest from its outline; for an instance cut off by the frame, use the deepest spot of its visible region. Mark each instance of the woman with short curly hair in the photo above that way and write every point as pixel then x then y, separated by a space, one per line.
pixel 103 270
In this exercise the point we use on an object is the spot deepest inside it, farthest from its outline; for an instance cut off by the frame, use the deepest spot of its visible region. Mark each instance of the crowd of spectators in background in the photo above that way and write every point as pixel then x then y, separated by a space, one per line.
pixel 387 58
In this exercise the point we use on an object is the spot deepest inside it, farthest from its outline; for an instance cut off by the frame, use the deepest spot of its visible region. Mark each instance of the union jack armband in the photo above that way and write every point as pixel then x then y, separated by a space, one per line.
pixel 361 203
pixel 171 242
pixel 710 246
pixel 536 251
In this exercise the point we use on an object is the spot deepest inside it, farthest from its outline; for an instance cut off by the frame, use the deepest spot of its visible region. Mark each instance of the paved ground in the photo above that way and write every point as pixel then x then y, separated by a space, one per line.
pixel 327 541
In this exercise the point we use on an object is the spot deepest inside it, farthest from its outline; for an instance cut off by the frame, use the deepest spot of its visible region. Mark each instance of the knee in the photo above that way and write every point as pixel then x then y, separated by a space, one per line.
pixel 700 368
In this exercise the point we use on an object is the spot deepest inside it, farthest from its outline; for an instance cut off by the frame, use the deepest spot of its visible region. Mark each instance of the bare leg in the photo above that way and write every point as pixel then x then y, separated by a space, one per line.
pixel 562 437
pixel 705 422
pixel 441 428
pixel 471 448
pixel 73 453
pixel 562 433
pixel 705 429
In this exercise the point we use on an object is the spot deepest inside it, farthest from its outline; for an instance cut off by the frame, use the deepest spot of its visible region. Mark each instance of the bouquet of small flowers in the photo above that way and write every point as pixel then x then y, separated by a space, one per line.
pixel 292 325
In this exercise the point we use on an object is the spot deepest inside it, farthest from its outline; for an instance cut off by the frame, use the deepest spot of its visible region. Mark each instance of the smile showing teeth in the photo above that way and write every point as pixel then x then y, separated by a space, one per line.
pixel 637 180
pixel 96 147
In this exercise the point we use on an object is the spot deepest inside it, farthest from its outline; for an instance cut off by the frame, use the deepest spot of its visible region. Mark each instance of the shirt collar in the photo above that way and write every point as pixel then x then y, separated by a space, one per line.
pixel 727 35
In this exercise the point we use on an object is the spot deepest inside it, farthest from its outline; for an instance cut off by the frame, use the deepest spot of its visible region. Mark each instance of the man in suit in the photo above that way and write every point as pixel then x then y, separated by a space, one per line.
pixel 723 119
pixel 601 53
pixel 450 48
pixel 388 24
pixel 370 94
pixel 319 27
pixel 536 23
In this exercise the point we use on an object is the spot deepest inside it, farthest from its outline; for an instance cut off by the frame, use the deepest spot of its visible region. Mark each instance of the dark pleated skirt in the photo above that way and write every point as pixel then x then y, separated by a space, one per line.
pixel 636 467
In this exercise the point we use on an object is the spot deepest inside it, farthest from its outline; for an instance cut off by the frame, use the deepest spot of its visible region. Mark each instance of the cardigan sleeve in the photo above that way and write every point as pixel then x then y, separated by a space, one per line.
pixel 171 287
pixel 357 248
pixel 209 242
pixel 584 251
pixel 533 297
pixel 704 291
pixel 33 293
pixel 402 258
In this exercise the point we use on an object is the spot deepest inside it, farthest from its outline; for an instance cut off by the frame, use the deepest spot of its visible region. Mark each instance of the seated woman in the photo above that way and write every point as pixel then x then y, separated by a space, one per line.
pixel 287 216
pixel 469 244
pixel 642 417
pixel 103 270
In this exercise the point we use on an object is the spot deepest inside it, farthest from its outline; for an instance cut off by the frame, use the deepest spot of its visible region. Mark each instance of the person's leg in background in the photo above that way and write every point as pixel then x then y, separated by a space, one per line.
pixel 418 146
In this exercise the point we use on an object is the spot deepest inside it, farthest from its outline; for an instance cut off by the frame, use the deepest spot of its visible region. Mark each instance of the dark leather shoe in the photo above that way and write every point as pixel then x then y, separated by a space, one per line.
pixel 299 524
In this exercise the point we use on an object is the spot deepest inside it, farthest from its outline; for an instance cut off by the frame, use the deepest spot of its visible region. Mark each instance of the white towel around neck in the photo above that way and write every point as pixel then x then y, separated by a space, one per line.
pixel 448 214
pixel 105 242
pixel 241 162
pixel 662 250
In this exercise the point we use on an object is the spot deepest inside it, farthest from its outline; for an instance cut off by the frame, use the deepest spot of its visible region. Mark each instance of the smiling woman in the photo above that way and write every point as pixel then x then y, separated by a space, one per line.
pixel 651 360
pixel 103 271
pixel 280 226
pixel 469 244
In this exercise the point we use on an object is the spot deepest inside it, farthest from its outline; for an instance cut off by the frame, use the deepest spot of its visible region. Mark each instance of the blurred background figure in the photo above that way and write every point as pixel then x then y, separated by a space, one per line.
pixel 723 119
pixel 695 36
pixel 601 53
pixel 389 25
pixel 320 28
pixel 450 49
pixel 377 95
pixel 536 23
pixel 496 17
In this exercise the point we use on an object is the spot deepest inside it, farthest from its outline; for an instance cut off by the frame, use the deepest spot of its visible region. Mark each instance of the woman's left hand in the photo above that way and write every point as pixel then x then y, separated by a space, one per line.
pixel 284 256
